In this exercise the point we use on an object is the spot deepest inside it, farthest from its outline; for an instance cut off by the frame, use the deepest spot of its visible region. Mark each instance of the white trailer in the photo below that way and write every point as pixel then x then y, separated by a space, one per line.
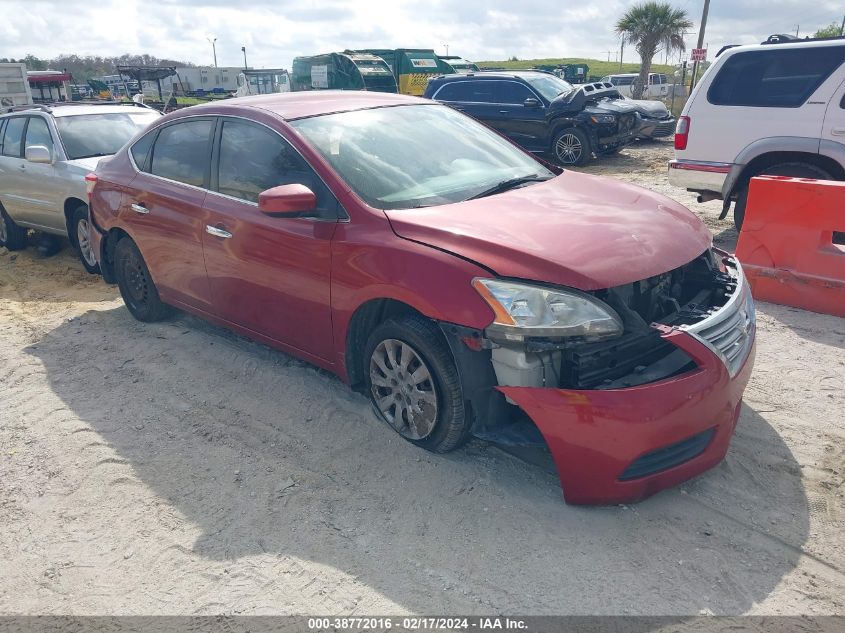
pixel 14 87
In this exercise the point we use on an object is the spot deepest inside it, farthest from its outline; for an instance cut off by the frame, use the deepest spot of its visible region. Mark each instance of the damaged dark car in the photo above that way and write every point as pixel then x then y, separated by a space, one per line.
pixel 543 113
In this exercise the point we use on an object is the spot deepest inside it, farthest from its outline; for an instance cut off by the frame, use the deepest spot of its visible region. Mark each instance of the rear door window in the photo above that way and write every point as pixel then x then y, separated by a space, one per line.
pixel 13 135
pixel 181 152
pixel 776 78
pixel 38 133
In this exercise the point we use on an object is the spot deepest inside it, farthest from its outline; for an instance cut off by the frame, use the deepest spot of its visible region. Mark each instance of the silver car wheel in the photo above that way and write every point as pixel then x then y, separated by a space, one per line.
pixel 403 389
pixel 84 241
pixel 568 149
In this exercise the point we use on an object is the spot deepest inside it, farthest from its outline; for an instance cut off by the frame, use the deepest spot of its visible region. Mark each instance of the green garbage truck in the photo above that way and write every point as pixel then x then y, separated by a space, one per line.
pixel 459 64
pixel 412 67
pixel 349 70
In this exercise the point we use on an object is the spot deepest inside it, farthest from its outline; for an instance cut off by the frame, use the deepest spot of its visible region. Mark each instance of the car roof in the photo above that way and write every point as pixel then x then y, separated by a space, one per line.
pixel 59 110
pixel 820 43
pixel 76 110
pixel 298 105
pixel 493 74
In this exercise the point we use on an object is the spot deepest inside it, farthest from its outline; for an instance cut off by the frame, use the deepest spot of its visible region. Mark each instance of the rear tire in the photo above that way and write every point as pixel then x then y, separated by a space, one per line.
pixel 571 147
pixel 136 285
pixel 79 232
pixel 12 236
pixel 413 383
pixel 796 170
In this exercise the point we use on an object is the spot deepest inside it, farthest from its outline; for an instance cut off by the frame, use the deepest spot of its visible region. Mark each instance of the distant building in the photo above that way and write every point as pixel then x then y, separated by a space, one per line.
pixel 205 78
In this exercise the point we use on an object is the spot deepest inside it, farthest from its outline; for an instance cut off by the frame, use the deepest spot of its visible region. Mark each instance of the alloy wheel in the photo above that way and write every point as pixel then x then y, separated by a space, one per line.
pixel 568 149
pixel 84 241
pixel 403 389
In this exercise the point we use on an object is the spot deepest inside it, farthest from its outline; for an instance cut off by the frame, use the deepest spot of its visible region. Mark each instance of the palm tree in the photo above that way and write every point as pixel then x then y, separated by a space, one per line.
pixel 651 27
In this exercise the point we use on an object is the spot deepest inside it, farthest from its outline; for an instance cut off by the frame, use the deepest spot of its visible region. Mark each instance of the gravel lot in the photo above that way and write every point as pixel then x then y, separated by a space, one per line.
pixel 176 468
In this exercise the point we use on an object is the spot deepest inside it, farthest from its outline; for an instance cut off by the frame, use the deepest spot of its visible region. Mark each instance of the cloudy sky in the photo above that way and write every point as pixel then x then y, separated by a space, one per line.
pixel 274 31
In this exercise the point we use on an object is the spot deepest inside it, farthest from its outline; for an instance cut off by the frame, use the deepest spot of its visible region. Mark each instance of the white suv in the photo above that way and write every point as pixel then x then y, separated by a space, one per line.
pixel 776 109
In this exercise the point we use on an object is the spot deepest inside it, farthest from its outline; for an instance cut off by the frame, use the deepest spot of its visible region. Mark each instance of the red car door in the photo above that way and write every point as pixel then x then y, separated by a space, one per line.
pixel 269 275
pixel 163 208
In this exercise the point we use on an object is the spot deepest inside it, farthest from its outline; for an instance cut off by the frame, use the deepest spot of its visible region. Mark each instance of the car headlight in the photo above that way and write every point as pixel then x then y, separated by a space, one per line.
pixel 603 118
pixel 524 310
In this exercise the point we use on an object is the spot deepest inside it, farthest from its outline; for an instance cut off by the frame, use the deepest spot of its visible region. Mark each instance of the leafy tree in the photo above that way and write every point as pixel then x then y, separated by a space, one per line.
pixel 652 27
pixel 33 63
pixel 834 29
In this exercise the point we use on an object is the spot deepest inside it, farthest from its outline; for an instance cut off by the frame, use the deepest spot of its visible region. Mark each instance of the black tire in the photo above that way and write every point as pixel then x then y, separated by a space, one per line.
pixel 136 285
pixel 12 236
pixel 451 424
pixel 796 170
pixel 571 147
pixel 78 232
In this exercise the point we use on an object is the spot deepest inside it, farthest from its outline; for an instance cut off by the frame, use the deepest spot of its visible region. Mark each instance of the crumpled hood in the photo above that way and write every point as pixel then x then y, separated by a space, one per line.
pixel 650 108
pixel 576 230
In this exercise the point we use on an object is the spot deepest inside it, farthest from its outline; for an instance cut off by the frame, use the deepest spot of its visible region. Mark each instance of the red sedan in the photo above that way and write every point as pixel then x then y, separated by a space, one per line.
pixel 464 286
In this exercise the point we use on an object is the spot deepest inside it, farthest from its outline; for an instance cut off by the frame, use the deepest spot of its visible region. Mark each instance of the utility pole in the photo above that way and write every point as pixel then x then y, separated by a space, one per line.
pixel 447 49
pixel 797 26
pixel 213 48
pixel 243 48
pixel 608 55
pixel 700 42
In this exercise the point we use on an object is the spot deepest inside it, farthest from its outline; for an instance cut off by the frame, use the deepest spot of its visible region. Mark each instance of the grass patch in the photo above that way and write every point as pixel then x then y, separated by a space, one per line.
pixel 598 68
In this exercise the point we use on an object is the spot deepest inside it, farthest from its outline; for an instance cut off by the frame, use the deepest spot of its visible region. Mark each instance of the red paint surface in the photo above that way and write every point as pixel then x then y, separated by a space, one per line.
pixel 595 435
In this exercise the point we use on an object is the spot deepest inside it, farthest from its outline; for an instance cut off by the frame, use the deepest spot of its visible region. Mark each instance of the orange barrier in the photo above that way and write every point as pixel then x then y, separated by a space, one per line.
pixel 787 247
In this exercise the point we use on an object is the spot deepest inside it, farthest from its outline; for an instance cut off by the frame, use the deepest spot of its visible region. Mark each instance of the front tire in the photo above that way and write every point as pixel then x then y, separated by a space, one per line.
pixel 136 285
pixel 413 383
pixel 796 170
pixel 80 234
pixel 12 236
pixel 571 147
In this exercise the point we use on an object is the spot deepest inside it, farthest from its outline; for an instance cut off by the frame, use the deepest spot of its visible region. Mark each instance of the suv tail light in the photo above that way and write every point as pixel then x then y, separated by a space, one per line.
pixel 682 132
pixel 90 181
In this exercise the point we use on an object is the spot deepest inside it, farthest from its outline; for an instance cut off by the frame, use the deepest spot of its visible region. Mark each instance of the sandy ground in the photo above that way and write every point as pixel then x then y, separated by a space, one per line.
pixel 176 468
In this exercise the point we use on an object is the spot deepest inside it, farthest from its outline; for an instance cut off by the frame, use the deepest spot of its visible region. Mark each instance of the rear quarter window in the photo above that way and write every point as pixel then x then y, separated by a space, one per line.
pixel 141 150
pixel 777 78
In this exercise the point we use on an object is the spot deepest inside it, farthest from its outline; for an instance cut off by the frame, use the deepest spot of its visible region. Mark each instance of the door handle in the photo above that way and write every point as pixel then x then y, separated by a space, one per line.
pixel 838 131
pixel 503 111
pixel 140 208
pixel 217 231
pixel 22 166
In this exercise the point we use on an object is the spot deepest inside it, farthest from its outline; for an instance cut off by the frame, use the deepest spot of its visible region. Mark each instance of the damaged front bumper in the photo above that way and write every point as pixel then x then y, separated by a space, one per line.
pixel 623 440
pixel 622 445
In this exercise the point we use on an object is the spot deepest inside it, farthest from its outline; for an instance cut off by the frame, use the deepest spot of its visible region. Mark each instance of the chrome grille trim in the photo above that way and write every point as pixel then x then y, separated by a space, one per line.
pixel 729 331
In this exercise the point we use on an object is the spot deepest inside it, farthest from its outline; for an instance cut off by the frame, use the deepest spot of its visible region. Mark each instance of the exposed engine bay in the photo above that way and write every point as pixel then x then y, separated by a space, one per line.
pixel 679 297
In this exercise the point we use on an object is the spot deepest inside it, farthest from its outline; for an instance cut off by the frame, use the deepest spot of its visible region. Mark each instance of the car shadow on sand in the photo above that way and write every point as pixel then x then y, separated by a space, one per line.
pixel 263 455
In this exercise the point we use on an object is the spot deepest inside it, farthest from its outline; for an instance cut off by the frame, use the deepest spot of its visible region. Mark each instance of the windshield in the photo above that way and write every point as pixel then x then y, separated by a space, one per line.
pixel 549 86
pixel 415 156
pixel 87 135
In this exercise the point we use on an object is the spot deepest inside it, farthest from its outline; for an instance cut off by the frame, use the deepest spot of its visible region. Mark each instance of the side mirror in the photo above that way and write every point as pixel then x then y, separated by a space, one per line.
pixel 530 102
pixel 287 201
pixel 39 154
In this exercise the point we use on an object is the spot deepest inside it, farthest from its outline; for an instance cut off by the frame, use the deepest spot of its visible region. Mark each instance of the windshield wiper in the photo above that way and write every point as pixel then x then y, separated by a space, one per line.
pixel 510 183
